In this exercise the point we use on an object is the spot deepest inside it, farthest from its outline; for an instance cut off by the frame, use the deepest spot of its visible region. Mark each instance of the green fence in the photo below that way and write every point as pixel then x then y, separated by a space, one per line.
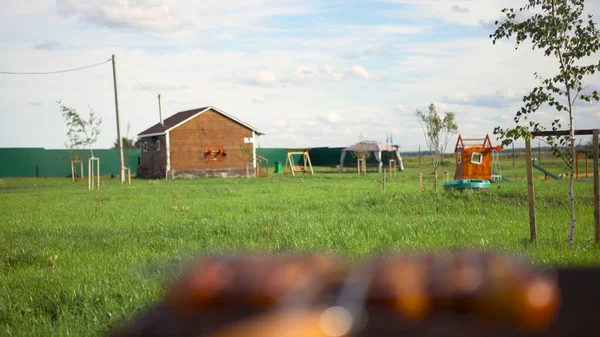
pixel 320 156
pixel 40 162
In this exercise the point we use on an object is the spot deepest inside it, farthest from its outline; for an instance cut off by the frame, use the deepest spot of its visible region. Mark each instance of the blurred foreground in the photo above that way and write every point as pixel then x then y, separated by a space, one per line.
pixel 469 293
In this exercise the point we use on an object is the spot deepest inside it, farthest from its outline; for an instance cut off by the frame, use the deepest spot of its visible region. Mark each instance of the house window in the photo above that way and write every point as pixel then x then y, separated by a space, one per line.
pixel 145 146
pixel 476 158
pixel 459 157
pixel 158 145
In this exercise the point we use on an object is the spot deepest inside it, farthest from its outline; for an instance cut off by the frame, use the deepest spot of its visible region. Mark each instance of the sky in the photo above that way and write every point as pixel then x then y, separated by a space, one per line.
pixel 306 73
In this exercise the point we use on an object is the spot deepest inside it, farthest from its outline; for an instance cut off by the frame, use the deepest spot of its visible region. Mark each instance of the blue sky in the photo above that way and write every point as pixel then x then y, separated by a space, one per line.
pixel 307 73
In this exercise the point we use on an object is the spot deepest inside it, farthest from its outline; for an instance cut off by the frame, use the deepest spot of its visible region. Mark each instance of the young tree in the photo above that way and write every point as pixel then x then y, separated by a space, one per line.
pixel 438 131
pixel 362 152
pixel 82 132
pixel 557 27
pixel 128 143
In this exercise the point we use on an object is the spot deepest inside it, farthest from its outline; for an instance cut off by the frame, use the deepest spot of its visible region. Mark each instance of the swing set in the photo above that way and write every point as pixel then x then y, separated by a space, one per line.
pixel 289 162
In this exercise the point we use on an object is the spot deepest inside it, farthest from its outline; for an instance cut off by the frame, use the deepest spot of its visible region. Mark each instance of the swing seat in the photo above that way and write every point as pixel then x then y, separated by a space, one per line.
pixel 299 169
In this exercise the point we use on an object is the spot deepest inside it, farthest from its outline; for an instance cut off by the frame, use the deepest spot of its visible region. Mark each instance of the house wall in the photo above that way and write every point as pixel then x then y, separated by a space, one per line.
pixel 188 140
pixel 152 161
pixel 475 171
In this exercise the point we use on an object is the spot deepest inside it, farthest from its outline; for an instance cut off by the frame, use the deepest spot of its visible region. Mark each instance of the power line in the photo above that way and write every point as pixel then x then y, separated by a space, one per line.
pixel 140 84
pixel 53 72
pixel 132 77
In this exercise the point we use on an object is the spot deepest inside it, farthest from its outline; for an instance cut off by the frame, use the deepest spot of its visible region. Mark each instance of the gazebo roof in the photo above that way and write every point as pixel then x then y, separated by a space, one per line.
pixel 370 145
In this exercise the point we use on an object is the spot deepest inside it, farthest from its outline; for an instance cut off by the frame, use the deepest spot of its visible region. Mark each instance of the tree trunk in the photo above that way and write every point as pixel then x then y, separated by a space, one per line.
pixel 572 176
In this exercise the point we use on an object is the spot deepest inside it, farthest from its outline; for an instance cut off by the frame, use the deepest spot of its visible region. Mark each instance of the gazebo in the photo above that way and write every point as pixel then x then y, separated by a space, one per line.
pixel 375 147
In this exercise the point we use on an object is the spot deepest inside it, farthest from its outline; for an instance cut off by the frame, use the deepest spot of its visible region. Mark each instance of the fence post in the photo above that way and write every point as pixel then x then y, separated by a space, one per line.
pixel 420 182
pixel 596 187
pixel 530 191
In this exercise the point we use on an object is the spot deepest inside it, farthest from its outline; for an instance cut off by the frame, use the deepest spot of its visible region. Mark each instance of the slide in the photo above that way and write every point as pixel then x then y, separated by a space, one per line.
pixel 544 170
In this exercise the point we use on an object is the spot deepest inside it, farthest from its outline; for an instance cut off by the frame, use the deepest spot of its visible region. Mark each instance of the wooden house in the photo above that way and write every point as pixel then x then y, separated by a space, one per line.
pixel 474 157
pixel 198 143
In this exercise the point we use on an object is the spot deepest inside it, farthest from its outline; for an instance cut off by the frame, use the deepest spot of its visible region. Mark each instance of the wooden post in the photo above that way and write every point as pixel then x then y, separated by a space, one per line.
pixel 98 171
pixel 596 187
pixel 435 181
pixel 530 190
pixel 128 170
pixel 420 182
pixel 72 171
pixel 89 174
pixel 577 165
pixel 513 153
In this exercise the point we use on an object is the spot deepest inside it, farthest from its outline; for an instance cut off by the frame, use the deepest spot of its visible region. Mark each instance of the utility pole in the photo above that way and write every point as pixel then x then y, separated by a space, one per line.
pixel 160 111
pixel 119 139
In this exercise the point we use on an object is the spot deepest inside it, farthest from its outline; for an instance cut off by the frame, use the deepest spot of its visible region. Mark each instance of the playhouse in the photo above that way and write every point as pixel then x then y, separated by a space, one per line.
pixel 474 157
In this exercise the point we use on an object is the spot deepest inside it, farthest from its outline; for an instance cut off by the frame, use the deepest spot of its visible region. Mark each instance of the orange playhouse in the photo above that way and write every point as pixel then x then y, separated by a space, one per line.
pixel 475 158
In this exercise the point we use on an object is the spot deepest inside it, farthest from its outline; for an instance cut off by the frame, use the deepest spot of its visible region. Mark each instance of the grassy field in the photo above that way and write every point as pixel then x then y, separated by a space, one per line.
pixel 75 262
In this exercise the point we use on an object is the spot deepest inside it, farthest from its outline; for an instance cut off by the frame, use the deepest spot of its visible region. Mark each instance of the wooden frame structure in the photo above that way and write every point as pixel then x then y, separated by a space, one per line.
pixel 585 154
pixel 93 175
pixel 530 189
pixel 361 165
pixel 128 169
pixel 289 161
pixel 262 170
pixel 393 168
pixel 73 169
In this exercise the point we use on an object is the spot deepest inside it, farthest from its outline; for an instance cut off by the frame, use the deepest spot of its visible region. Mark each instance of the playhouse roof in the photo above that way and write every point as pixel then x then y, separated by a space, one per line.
pixel 370 145
pixel 471 141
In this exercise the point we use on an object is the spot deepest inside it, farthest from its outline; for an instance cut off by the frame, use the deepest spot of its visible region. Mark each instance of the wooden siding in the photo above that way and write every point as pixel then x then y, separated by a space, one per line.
pixel 475 171
pixel 459 173
pixel 188 140
pixel 153 159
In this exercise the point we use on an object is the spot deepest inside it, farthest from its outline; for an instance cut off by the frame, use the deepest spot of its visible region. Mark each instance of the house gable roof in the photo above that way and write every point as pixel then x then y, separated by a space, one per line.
pixel 183 116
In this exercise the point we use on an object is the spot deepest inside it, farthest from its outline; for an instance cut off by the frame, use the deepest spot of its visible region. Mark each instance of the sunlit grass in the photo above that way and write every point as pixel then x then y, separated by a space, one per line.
pixel 115 247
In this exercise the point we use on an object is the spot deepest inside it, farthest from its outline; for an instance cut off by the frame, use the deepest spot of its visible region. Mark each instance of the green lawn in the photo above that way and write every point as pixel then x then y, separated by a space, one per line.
pixel 115 247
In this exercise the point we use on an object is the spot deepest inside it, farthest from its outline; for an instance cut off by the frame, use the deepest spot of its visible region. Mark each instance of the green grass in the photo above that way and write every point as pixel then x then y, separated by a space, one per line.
pixel 116 247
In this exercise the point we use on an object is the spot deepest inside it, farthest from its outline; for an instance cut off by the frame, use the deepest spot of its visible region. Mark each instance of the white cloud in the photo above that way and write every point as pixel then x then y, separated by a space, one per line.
pixel 49 45
pixel 259 100
pixel 400 29
pixel 122 13
pixel 360 72
pixel 356 72
pixel 376 50
pixel 304 74
pixel 333 117
pixel 459 9
pixel 266 73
